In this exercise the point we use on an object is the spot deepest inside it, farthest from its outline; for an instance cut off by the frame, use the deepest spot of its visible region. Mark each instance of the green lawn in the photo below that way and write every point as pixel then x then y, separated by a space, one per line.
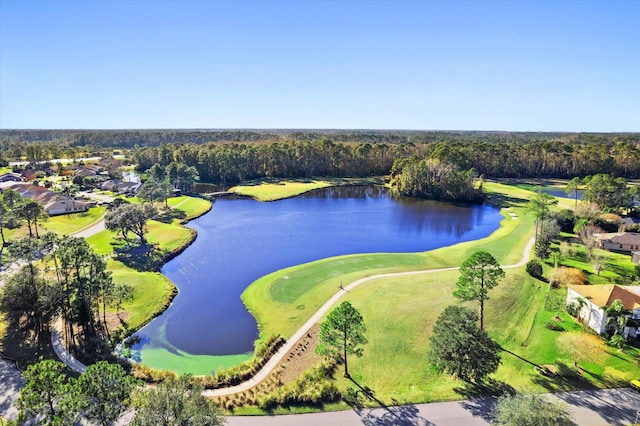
pixel 192 207
pixel 152 293
pixel 152 290
pixel 70 223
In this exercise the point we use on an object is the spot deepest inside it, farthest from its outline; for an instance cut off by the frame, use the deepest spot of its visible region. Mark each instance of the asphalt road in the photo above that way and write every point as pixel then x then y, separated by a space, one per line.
pixel 10 385
pixel 587 408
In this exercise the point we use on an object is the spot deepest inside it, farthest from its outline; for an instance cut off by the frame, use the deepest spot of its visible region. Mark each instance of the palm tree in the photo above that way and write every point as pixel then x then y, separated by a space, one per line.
pixel 616 315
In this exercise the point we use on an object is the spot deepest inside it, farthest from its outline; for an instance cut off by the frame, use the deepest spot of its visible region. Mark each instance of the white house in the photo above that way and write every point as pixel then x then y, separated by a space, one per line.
pixel 66 206
pixel 619 241
pixel 598 297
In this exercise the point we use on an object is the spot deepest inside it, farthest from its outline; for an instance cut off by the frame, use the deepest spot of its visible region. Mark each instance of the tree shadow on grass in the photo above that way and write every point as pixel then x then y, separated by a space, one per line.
pixel 490 387
pixel 168 216
pixel 562 377
pixel 143 258
pixel 394 415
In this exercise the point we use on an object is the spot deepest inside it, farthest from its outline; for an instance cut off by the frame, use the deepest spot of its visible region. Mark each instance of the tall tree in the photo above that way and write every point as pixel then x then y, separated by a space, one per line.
pixel 29 300
pixel 540 205
pixel 45 394
pixel 457 346
pixel 479 273
pixel 342 334
pixel 129 218
pixel 32 213
pixel 103 392
pixel 573 187
pixel 176 402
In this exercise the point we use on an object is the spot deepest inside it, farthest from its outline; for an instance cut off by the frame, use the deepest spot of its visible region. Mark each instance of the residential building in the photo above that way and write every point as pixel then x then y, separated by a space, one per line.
pixel 597 298
pixel 619 241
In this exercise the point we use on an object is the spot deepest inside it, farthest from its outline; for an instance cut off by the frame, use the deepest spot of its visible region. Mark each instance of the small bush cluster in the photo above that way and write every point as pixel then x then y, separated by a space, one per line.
pixel 247 369
pixel 315 387
pixel 534 268
pixel 554 325
pixel 567 276
pixel 149 375
pixel 573 309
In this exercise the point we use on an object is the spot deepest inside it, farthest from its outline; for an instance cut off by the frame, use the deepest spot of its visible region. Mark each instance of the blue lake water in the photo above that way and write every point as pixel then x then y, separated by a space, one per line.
pixel 240 240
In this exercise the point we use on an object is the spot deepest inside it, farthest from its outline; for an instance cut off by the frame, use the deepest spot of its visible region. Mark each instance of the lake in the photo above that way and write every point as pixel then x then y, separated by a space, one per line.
pixel 207 327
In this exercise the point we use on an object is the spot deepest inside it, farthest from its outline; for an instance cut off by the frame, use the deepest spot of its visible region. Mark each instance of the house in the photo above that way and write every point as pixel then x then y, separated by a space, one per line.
pixel 50 201
pixel 619 241
pixel 11 177
pixel 121 187
pixel 66 206
pixel 598 297
pixel 84 172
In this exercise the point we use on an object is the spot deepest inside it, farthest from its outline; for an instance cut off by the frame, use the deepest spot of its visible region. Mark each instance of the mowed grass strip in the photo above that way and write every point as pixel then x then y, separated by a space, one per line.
pixel 279 190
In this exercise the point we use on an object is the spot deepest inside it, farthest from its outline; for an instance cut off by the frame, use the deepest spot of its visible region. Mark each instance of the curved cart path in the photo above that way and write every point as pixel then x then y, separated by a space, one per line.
pixel 286 348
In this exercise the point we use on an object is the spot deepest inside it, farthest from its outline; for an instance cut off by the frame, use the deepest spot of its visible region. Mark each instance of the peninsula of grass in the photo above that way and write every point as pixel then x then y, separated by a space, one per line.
pixel 152 291
pixel 273 190
pixel 400 311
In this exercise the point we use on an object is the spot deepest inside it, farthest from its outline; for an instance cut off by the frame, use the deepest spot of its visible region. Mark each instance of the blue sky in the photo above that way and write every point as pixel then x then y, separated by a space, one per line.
pixel 506 65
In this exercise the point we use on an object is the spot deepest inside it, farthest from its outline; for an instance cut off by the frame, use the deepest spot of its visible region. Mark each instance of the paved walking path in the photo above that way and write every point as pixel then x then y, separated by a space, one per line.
pixel 60 349
pixel 286 348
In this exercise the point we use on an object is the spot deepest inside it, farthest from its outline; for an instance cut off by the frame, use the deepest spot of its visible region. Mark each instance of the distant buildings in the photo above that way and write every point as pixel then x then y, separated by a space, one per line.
pixel 52 202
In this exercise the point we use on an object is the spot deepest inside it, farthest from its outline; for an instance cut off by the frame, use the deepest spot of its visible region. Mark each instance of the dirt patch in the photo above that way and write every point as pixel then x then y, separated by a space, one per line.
pixel 301 358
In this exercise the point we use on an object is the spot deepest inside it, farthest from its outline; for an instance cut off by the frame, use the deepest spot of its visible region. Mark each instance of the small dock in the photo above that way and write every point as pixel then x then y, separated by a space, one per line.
pixel 221 194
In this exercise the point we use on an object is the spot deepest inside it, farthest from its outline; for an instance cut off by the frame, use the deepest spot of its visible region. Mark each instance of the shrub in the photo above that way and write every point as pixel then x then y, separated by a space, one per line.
pixel 573 309
pixel 314 387
pixel 567 276
pixel 534 268
pixel 617 341
pixel 554 325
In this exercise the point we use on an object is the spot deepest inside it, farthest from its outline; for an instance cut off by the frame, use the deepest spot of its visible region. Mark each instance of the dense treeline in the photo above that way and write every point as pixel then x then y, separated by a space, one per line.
pixel 235 162
pixel 234 155
pixel 232 163
pixel 131 138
